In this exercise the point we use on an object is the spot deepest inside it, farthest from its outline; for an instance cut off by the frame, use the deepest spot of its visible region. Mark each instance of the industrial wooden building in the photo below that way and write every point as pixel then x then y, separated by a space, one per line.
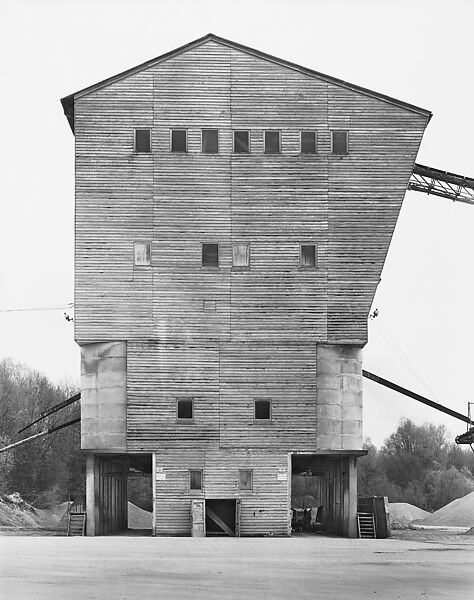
pixel 233 214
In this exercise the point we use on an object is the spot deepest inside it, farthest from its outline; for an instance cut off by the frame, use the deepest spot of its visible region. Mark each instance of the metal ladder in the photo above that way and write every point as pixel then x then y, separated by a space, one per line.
pixel 76 524
pixel 366 525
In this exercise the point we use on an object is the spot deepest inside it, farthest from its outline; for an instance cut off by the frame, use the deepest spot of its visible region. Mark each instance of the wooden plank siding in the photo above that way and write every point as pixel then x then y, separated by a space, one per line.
pixel 227 336
pixel 264 508
pixel 347 205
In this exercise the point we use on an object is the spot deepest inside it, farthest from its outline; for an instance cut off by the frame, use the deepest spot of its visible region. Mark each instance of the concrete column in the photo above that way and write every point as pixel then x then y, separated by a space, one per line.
pixel 350 497
pixel 339 397
pixel 92 495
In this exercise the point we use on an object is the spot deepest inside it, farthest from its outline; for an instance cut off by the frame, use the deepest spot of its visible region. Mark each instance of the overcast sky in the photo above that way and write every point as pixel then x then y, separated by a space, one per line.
pixel 418 51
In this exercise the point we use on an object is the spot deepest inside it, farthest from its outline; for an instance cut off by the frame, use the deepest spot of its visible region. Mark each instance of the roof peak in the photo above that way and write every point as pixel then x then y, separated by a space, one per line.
pixel 68 101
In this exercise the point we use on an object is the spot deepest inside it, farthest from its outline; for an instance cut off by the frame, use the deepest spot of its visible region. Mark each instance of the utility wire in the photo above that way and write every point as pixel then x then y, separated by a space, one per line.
pixel 57 307
pixel 391 342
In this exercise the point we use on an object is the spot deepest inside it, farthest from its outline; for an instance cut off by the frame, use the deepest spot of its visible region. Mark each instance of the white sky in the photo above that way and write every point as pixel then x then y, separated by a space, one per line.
pixel 417 51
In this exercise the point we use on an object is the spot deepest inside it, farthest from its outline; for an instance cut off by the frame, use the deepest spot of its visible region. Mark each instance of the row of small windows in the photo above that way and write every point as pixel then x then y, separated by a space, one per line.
pixel 240 255
pixel 196 479
pixel 241 141
pixel 185 410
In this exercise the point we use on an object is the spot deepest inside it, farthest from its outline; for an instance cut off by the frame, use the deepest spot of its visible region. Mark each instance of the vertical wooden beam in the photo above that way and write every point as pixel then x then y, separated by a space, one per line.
pixel 350 497
pixel 290 471
pixel 153 483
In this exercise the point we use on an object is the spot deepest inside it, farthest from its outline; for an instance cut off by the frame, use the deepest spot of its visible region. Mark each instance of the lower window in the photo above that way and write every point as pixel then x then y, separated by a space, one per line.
pixel 195 479
pixel 263 410
pixel 245 479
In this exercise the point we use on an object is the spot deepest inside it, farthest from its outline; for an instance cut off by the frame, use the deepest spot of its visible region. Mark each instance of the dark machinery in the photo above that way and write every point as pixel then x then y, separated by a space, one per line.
pixel 441 183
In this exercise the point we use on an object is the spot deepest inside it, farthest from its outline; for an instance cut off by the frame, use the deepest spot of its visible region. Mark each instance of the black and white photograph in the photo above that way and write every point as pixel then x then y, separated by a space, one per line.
pixel 237 300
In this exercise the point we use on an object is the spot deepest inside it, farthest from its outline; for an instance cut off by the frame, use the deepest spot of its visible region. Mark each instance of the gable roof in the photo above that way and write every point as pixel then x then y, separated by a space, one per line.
pixel 68 101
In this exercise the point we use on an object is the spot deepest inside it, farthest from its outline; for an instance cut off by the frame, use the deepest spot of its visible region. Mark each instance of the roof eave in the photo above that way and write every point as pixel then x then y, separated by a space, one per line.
pixel 68 107
pixel 68 101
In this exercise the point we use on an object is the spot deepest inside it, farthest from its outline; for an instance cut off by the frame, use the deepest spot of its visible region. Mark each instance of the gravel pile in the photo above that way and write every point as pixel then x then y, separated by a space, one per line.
pixel 458 513
pixel 138 518
pixel 15 512
pixel 402 514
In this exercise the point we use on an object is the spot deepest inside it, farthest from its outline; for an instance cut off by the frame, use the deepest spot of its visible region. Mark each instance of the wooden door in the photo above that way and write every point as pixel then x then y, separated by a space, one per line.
pixel 198 518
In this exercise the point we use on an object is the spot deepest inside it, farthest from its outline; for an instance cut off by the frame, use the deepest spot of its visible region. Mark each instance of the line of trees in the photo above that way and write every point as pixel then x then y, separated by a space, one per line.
pixel 43 471
pixel 419 465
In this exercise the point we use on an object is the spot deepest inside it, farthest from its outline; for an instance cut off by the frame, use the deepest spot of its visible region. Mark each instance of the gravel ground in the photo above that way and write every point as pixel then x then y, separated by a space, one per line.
pixel 47 568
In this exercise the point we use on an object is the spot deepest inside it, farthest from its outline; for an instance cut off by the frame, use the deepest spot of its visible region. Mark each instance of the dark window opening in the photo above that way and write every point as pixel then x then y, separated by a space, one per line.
pixel 210 255
pixel 262 409
pixel 308 255
pixel 245 479
pixel 142 140
pixel 241 142
pixel 185 409
pixel 178 140
pixel 308 142
pixel 195 480
pixel 272 142
pixel 339 142
pixel 210 141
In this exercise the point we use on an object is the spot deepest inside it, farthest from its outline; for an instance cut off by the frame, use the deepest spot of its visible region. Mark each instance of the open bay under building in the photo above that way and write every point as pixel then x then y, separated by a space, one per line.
pixel 233 214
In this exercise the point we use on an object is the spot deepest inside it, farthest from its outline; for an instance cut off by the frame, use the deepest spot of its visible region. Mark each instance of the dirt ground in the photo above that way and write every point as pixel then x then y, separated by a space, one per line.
pixel 298 568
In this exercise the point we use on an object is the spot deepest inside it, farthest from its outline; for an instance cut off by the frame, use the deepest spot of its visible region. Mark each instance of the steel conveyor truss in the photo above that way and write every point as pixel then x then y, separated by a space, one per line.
pixel 441 183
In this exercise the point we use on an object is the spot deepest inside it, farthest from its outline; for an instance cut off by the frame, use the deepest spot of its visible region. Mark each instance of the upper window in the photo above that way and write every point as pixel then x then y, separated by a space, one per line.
pixel 308 142
pixel 241 142
pixel 179 140
pixel 340 142
pixel 142 140
pixel 263 410
pixel 272 142
pixel 241 255
pixel 184 408
pixel 210 255
pixel 245 479
pixel 210 141
pixel 308 255
pixel 142 253
pixel 195 479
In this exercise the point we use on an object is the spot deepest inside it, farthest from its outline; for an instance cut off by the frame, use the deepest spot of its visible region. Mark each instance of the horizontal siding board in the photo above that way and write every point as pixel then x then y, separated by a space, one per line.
pixel 264 508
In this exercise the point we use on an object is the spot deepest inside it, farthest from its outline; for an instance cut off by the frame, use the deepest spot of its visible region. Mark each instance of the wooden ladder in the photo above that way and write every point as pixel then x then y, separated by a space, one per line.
pixel 76 524
pixel 366 525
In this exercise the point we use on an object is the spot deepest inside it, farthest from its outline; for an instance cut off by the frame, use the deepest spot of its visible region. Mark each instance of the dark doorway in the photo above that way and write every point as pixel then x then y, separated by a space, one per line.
pixel 317 494
pixel 221 517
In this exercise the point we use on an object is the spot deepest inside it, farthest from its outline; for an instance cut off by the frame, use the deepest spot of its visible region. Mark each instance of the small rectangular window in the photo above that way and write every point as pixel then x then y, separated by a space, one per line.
pixel 142 140
pixel 241 142
pixel 184 408
pixel 210 255
pixel 340 142
pixel 195 479
pixel 142 253
pixel 179 140
pixel 245 479
pixel 241 255
pixel 262 409
pixel 210 141
pixel 308 142
pixel 272 142
pixel 308 255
